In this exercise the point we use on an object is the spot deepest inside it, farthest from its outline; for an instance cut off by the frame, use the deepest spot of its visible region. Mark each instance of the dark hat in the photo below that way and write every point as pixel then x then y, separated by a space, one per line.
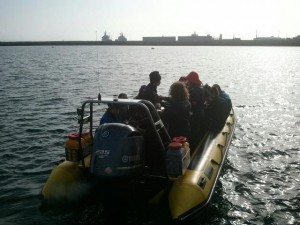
pixel 154 76
pixel 193 77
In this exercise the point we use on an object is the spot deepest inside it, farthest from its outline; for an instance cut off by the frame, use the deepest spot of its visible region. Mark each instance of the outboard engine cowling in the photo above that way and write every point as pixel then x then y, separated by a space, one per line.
pixel 118 151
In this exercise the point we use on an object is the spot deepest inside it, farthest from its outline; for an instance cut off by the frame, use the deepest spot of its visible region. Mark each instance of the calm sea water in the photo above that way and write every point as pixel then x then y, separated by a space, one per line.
pixel 41 87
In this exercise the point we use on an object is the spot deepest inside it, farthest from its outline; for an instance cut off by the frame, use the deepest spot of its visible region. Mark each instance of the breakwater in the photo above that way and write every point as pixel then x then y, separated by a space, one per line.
pixel 224 42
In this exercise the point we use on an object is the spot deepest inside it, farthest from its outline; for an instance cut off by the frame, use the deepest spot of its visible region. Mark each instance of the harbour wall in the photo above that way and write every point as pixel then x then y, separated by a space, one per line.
pixel 224 42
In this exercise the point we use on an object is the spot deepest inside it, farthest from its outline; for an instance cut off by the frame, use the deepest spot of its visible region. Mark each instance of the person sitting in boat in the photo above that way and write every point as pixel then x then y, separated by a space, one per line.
pixel 195 88
pixel 217 109
pixel 112 115
pixel 149 92
pixel 124 114
pixel 196 99
pixel 177 111
pixel 224 95
pixel 116 113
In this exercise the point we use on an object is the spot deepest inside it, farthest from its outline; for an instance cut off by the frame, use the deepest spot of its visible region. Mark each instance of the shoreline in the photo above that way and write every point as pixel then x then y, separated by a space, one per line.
pixel 229 42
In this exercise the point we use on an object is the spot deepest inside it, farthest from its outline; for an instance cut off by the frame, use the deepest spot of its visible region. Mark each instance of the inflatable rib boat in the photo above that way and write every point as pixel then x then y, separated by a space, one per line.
pixel 138 150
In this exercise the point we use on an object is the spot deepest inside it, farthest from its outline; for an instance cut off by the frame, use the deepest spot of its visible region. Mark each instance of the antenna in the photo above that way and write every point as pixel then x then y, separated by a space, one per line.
pixel 97 64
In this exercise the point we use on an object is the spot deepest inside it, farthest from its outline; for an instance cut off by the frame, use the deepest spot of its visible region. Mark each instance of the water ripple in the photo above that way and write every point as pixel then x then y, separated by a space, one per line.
pixel 41 87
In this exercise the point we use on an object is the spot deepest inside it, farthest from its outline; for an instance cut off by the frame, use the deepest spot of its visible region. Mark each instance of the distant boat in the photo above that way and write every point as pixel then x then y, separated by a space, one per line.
pixel 121 38
pixel 106 38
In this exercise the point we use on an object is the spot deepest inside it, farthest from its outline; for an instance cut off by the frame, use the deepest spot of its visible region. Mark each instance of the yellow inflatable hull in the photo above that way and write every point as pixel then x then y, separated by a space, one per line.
pixel 189 193
pixel 67 181
pixel 192 191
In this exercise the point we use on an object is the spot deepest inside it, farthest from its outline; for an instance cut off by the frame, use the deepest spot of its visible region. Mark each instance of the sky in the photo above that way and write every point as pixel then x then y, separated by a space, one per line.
pixel 87 20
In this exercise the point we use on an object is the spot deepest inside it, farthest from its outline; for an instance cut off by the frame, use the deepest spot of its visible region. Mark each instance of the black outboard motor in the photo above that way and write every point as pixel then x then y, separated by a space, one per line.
pixel 118 151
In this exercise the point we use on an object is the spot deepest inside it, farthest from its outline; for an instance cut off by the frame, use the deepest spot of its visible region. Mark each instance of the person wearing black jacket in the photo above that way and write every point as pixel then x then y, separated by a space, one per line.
pixel 196 99
pixel 149 92
pixel 177 111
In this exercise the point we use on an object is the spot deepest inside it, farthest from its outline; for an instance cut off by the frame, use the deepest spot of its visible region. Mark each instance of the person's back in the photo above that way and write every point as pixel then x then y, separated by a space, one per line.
pixel 177 118
pixel 196 92
pixel 217 110
pixel 225 96
pixel 217 113
pixel 150 94
pixel 196 99
pixel 177 111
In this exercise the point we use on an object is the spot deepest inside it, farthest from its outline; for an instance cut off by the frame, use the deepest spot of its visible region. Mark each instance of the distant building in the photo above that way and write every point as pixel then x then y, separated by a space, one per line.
pixel 297 37
pixel 159 40
pixel 121 38
pixel 194 39
pixel 106 37
pixel 272 38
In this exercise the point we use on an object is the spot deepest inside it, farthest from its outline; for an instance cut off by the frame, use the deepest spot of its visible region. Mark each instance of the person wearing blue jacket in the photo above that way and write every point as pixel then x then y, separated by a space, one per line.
pixel 217 110
pixel 224 95
pixel 112 115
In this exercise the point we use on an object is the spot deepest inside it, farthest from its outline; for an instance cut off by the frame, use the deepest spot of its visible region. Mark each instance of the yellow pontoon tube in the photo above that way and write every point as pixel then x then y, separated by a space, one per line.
pixel 192 191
